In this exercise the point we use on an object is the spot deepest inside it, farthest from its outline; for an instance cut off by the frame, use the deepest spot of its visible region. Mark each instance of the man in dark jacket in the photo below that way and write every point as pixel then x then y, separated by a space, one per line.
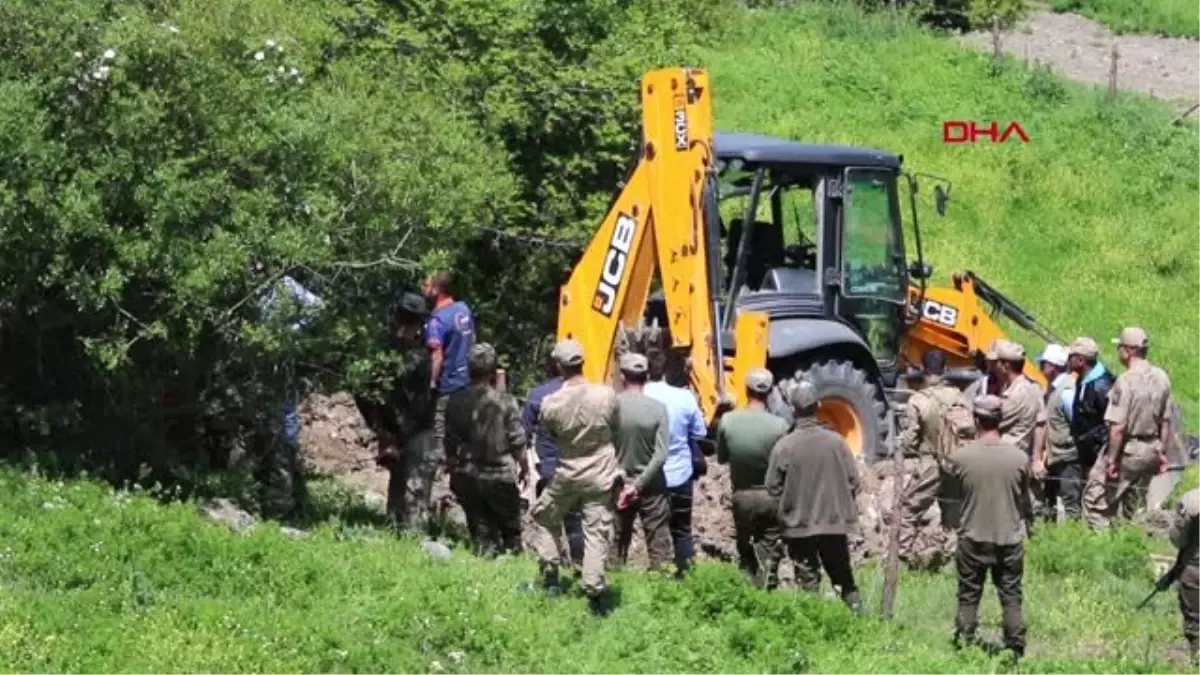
pixel 1090 401
pixel 814 477
pixel 1094 382
pixel 403 423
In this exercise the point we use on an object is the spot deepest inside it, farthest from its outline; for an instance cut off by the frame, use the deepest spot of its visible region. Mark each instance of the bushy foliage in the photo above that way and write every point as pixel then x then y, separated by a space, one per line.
pixel 168 162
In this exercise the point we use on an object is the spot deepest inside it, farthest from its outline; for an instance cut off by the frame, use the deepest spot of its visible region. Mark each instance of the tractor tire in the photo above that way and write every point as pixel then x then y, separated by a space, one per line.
pixel 849 403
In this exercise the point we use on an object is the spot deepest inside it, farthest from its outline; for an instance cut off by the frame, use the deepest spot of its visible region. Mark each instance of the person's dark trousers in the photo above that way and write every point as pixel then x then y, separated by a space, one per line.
pixel 654 510
pixel 1006 564
pixel 1064 480
pixel 572 523
pixel 497 505
pixel 681 525
pixel 830 552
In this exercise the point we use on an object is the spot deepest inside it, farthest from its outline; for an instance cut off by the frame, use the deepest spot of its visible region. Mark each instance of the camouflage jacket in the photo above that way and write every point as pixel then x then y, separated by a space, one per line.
pixel 484 434
pixel 409 406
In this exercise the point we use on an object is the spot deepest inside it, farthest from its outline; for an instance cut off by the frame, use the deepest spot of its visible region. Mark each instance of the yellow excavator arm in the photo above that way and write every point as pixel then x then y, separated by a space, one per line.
pixel 657 224
pixel 959 321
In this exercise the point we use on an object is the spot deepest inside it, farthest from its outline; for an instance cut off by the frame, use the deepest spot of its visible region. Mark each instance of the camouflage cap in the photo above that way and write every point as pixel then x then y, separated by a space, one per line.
pixel 1084 346
pixel 987 406
pixel 568 353
pixel 759 380
pixel 803 395
pixel 991 354
pixel 1007 350
pixel 634 363
pixel 481 358
pixel 1132 336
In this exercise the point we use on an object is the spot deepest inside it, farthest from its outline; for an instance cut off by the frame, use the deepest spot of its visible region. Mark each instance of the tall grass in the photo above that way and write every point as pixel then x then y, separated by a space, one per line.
pixel 97 580
pixel 1092 225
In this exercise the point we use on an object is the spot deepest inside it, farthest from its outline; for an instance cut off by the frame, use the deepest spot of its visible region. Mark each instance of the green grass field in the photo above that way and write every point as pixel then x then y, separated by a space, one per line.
pixel 1174 18
pixel 1090 226
pixel 97 580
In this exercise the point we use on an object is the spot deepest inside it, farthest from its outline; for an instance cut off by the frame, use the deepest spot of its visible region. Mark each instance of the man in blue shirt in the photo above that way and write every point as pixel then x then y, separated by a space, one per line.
pixel 685 463
pixel 547 453
pixel 449 336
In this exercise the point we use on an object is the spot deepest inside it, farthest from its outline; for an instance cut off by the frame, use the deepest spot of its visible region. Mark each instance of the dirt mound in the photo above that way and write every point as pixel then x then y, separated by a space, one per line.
pixel 337 443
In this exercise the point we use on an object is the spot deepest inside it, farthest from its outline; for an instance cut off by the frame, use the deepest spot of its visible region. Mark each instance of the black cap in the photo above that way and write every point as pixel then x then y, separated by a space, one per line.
pixel 409 303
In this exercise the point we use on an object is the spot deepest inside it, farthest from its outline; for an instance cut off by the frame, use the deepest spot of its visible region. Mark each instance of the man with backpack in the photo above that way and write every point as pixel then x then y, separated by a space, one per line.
pixel 934 421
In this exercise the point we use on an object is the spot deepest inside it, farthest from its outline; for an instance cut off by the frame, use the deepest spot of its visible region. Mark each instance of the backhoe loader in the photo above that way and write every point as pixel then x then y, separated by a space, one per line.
pixel 771 253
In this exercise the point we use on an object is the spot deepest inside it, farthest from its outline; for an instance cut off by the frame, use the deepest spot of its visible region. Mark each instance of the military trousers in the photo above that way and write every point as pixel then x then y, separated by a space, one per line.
pixel 1105 498
pixel 1189 606
pixel 492 506
pixel 756 531
pixel 1064 480
pixel 1006 564
pixel 923 481
pixel 410 482
pixel 572 525
pixel 828 551
pixel 654 510
pixel 595 500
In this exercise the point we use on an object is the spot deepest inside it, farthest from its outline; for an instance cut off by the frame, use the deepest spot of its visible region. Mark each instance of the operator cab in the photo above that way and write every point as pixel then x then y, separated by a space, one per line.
pixel 825 237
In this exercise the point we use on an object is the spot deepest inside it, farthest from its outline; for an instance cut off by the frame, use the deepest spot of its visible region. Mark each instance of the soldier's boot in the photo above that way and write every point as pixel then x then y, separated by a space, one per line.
pixel 548 582
pixel 600 602
pixel 853 601
pixel 963 639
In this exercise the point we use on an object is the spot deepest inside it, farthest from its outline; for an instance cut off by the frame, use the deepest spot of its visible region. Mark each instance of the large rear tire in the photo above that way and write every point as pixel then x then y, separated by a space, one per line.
pixel 849 403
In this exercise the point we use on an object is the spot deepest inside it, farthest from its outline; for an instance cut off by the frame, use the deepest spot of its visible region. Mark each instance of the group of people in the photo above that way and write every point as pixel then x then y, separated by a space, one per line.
pixel 1002 451
pixel 991 455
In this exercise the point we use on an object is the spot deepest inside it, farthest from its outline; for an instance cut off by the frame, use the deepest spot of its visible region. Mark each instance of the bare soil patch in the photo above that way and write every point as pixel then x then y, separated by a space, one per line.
pixel 1080 49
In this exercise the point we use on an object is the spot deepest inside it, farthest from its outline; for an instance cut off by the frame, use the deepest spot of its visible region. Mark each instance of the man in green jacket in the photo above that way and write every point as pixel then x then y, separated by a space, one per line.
pixel 641 442
pixel 813 476
pixel 745 438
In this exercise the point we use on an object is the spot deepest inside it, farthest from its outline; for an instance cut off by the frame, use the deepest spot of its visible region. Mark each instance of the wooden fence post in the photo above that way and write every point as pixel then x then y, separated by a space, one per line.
pixel 1112 74
pixel 891 565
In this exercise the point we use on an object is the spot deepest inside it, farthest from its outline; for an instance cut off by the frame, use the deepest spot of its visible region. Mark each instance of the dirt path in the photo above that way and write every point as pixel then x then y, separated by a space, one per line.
pixel 1079 48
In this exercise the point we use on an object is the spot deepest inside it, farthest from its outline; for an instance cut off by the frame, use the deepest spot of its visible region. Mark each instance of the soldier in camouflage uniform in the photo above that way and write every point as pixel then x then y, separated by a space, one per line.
pixel 582 419
pixel 1023 416
pixel 403 423
pixel 1184 536
pixel 485 453
pixel 921 425
pixel 1139 433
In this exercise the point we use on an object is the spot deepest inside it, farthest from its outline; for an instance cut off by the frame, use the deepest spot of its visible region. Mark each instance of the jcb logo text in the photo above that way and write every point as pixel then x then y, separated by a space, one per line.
pixel 615 262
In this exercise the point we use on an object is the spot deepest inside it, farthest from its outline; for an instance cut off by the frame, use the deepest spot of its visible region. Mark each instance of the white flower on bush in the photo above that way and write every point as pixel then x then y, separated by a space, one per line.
pixel 259 56
pixel 101 73
pixel 110 54
pixel 78 55
pixel 270 44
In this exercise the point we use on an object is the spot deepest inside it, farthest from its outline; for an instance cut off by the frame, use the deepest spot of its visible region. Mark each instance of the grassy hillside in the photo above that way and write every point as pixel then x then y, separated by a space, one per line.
pixel 102 581
pixel 1089 226
pixel 1175 18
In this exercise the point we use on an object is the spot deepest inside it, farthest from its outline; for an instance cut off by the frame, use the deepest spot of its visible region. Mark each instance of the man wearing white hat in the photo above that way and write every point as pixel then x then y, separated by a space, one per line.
pixel 1064 475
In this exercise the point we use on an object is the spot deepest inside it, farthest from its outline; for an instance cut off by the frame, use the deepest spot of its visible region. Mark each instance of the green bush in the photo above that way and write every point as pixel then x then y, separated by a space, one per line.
pixel 157 150
pixel 1074 550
